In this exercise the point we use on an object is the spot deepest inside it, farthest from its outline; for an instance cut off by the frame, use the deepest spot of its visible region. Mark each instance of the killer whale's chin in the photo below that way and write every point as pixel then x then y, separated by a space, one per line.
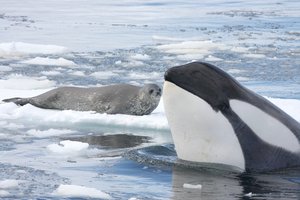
pixel 200 134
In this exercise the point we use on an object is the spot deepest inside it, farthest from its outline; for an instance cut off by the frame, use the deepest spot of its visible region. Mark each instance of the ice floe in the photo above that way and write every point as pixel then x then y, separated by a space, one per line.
pixel 104 74
pixel 141 57
pixel 77 191
pixel 22 82
pixel 9 183
pixel 20 49
pixel 4 193
pixel 68 147
pixel 50 61
pixel 51 73
pixel 188 50
pixel 48 132
pixel 4 68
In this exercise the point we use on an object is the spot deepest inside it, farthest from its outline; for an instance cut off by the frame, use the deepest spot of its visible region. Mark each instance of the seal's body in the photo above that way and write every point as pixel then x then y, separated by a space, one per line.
pixel 112 99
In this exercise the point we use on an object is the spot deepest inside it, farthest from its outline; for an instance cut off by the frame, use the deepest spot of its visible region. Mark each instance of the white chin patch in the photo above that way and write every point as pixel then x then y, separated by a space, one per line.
pixel 266 127
pixel 200 134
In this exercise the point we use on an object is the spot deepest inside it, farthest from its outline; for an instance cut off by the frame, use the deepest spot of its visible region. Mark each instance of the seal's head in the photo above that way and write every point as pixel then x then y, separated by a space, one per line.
pixel 149 96
pixel 152 91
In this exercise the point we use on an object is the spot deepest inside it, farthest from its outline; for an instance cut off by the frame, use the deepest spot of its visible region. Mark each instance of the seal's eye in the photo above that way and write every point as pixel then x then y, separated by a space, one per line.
pixel 151 91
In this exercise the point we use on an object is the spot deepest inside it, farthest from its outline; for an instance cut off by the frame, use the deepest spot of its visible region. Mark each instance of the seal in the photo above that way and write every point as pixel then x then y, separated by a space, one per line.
pixel 112 99
pixel 214 119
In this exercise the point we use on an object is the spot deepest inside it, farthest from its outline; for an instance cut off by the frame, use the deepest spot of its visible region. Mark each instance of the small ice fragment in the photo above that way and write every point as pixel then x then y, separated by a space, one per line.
pixel 140 57
pixel 4 68
pixel 80 192
pixel 50 62
pixel 211 58
pixel 119 62
pixel 9 183
pixel 68 147
pixel 191 186
pixel 20 171
pixel 249 194
pixel 3 193
pixel 253 55
pixel 104 75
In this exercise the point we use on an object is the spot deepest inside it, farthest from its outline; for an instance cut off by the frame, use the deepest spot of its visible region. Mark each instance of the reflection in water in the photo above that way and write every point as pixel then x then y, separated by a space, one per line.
pixel 233 186
pixel 275 185
pixel 214 186
pixel 112 141
pixel 217 183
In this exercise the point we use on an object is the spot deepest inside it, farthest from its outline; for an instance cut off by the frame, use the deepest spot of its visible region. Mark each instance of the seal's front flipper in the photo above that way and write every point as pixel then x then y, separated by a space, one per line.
pixel 17 100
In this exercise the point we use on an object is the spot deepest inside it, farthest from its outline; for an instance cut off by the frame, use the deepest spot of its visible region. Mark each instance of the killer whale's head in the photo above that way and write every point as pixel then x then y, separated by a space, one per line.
pixel 205 81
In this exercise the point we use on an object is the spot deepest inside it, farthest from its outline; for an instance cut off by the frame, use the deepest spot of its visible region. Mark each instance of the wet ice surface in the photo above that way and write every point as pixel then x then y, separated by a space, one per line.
pixel 52 154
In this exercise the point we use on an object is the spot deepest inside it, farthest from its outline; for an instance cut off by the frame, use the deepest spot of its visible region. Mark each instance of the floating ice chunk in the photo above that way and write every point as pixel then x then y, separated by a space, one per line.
pixel 19 49
pixel 4 68
pixel 235 71
pixel 191 186
pixel 254 55
pixel 190 57
pixel 80 192
pixel 133 198
pixel 194 47
pixel 51 73
pixel 68 118
pixel 240 49
pixel 140 57
pixel 242 78
pixel 68 147
pixel 164 38
pixel 189 50
pixel 137 76
pixel 49 132
pixel 50 61
pixel 211 58
pixel 118 62
pixel 133 63
pixel 9 183
pixel 20 171
pixel 250 194
pixel 12 126
pixel 78 73
pixel 104 74
pixel 20 82
pixel 4 193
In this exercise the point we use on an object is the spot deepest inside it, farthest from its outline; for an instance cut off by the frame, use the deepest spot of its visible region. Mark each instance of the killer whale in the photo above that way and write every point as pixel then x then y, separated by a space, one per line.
pixel 214 119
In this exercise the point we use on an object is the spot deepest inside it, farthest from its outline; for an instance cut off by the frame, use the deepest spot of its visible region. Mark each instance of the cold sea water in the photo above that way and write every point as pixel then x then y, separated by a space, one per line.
pixel 50 154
